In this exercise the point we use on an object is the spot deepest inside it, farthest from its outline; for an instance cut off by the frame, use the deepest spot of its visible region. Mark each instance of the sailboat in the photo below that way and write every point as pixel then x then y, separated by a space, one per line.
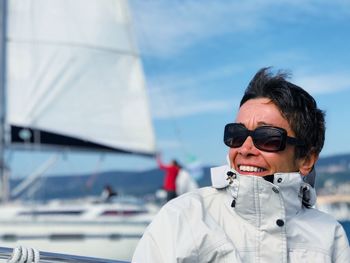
pixel 71 78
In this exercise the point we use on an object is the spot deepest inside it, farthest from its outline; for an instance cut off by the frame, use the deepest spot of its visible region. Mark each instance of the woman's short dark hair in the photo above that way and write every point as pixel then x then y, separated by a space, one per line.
pixel 297 106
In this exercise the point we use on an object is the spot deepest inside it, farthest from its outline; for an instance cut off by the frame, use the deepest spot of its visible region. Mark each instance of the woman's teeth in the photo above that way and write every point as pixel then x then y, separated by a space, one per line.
pixel 246 168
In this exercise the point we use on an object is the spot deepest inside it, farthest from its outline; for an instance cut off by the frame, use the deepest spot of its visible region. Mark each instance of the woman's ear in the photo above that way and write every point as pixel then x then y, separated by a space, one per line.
pixel 307 163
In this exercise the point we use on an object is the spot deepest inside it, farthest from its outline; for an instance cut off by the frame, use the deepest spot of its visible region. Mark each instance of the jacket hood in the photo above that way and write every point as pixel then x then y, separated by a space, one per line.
pixel 251 193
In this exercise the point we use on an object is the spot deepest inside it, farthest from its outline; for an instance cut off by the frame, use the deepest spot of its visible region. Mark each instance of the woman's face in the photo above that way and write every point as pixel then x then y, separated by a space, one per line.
pixel 247 159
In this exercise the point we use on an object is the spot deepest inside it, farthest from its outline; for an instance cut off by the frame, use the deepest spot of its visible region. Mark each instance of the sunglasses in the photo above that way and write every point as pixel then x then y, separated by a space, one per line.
pixel 265 138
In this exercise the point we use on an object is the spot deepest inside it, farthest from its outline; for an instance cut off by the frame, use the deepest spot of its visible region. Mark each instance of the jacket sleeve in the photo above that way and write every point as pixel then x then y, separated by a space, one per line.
pixel 163 241
pixel 179 235
pixel 341 252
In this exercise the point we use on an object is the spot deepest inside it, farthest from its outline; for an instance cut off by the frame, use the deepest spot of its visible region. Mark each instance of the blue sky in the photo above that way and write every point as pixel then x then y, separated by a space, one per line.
pixel 199 56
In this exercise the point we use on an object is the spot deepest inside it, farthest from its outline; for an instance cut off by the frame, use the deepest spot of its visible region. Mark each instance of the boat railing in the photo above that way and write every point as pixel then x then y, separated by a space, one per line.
pixel 48 257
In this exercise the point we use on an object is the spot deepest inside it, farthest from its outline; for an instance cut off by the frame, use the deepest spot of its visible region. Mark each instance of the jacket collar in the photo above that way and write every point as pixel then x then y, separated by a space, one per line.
pixel 244 190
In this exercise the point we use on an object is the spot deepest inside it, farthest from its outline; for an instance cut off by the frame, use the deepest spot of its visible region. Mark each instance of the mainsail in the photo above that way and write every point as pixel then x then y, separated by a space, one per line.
pixel 74 77
pixel 71 77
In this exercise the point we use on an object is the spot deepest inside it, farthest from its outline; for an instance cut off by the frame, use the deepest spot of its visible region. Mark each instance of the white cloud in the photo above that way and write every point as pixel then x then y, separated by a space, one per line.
pixel 169 144
pixel 192 108
pixel 324 83
pixel 177 95
pixel 165 28
pixel 169 103
pixel 180 95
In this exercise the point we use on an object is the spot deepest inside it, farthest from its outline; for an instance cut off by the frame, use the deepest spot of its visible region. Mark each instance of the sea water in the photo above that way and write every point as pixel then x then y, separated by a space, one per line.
pixel 346 225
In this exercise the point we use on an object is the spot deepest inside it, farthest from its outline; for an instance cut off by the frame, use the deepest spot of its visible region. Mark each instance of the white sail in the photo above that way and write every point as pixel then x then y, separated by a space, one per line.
pixel 74 79
pixel 74 73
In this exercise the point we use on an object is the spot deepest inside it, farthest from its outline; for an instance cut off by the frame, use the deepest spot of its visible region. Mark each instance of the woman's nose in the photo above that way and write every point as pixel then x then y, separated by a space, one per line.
pixel 248 147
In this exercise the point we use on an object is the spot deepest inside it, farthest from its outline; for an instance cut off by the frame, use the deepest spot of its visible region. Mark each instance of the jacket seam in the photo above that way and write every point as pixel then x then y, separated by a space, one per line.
pixel 216 245
pixel 343 251
pixel 301 246
pixel 283 233
pixel 190 228
pixel 156 244
pixel 258 220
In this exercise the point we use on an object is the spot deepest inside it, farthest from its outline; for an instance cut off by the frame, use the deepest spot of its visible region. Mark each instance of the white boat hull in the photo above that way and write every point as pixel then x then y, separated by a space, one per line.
pixel 95 230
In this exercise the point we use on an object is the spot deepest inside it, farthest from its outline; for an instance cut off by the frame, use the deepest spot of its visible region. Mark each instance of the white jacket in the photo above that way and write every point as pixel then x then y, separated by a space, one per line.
pixel 266 223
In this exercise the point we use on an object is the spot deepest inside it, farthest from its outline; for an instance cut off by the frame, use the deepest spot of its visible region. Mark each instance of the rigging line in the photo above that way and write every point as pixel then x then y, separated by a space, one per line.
pixel 175 124
pixel 95 173
pixel 189 157
pixel 39 172
pixel 179 136
pixel 4 184
pixel 71 44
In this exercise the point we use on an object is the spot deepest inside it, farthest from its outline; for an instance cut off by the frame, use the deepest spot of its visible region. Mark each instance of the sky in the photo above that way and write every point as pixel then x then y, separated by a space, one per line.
pixel 198 58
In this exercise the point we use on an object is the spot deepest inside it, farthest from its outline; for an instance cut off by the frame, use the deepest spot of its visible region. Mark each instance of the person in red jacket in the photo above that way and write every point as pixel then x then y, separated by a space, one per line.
pixel 171 172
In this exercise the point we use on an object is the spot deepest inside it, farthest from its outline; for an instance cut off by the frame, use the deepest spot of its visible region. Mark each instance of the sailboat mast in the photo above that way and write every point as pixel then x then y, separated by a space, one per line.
pixel 3 34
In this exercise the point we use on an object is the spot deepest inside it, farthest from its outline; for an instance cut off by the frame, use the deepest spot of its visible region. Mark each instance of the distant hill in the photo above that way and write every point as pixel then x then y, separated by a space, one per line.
pixel 334 163
pixel 141 183
pixel 334 170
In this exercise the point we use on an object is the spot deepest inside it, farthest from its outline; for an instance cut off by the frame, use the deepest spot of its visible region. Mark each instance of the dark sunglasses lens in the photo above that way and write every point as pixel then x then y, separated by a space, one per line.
pixel 235 135
pixel 268 139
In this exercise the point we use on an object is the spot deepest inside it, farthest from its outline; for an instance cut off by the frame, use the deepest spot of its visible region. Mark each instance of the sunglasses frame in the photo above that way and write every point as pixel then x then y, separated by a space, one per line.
pixel 283 133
